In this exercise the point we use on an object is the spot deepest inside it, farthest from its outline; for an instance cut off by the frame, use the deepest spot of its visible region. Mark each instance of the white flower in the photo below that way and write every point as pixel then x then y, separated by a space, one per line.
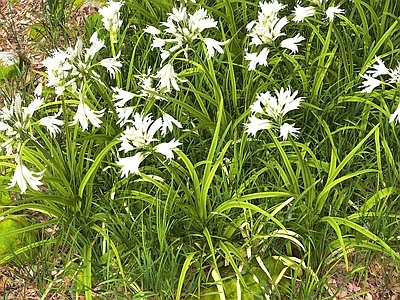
pixel 276 107
pixel 213 45
pixel 332 11
pixel 157 43
pixel 178 14
pixel 395 75
pixel 256 125
pixel 182 29
pixel 287 129
pixel 16 105
pixel 152 30
pixel 141 133
pixel 7 128
pixel 395 116
pixel 38 91
pixel 8 146
pixel 164 54
pixel 146 83
pixel 287 101
pixel 167 78
pixel 124 114
pixel 291 43
pixel 111 18
pixel 268 27
pixel 111 64
pixel 300 13
pixel 121 95
pixel 32 107
pixel 168 122
pixel 257 59
pixel 270 9
pixel 378 69
pixel 200 21
pixel 7 113
pixel 94 48
pixel 130 164
pixel 369 84
pixel 58 68
pixel 256 107
pixel 23 177
pixel 166 148
pixel 85 114
pixel 52 123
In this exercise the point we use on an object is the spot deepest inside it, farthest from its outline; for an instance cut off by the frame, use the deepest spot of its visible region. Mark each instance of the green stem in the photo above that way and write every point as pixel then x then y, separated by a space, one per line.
pixel 87 270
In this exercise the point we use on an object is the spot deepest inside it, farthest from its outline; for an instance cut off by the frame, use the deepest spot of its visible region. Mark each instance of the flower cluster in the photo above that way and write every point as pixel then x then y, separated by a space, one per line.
pixel 72 73
pixel 140 137
pixel 182 30
pixel 375 76
pixel 267 30
pixel 15 122
pixel 274 108
pixel 70 69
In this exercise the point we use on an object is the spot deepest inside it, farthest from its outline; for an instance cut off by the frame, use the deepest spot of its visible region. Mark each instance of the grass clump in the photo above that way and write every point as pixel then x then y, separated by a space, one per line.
pixel 214 149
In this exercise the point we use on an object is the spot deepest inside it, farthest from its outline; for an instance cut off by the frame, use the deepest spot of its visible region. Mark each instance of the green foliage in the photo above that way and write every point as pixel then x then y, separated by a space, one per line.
pixel 230 211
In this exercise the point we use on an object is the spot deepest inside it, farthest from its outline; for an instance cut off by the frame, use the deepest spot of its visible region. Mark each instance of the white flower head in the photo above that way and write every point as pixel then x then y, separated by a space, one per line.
pixel 287 129
pixel 166 149
pixel 111 64
pixel 96 46
pixel 124 113
pixel 152 30
pixel 213 45
pixel 332 11
pixel 256 124
pixel 291 43
pixel 85 114
pixel 168 122
pixel 27 112
pixel 141 133
pixel 200 21
pixel 395 75
pixel 395 116
pixel 58 69
pixel 300 13
pixel 369 84
pixel 111 18
pixel 52 123
pixel 130 165
pixel 378 69
pixel 24 177
pixel 121 96
pixel 167 78
pixel 182 29
pixel 257 59
pixel 279 105
pixel 269 26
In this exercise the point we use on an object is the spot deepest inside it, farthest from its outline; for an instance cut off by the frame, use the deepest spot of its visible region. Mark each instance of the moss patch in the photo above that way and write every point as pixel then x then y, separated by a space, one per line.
pixel 5 199
pixel 10 243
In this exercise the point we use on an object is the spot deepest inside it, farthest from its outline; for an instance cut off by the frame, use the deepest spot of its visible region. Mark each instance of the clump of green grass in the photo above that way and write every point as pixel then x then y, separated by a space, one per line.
pixel 189 151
